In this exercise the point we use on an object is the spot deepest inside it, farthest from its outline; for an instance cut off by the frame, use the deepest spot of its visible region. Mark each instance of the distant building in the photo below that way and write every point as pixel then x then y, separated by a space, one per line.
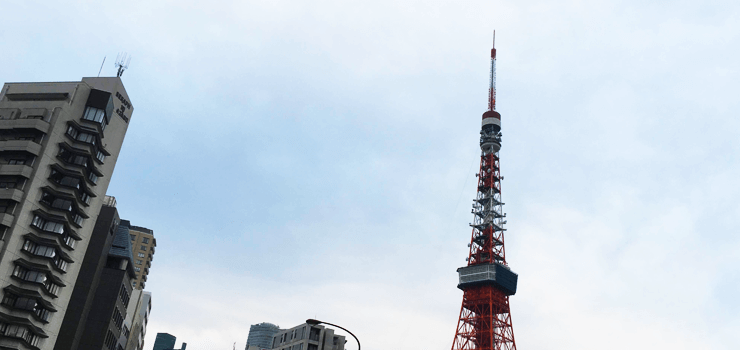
pixel 307 337
pixel 137 317
pixel 260 336
pixel 143 241
pixel 164 341
pixel 98 306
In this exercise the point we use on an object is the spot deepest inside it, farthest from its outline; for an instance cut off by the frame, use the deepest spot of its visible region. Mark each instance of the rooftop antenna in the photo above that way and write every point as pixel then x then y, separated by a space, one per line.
pixel 101 66
pixel 122 62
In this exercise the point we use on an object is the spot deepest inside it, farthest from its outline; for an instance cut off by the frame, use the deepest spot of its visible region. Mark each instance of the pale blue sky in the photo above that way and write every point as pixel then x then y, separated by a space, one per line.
pixel 313 159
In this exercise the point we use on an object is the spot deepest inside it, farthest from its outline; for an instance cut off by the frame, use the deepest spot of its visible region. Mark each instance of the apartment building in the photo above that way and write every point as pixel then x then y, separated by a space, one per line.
pixel 307 337
pixel 144 243
pixel 59 143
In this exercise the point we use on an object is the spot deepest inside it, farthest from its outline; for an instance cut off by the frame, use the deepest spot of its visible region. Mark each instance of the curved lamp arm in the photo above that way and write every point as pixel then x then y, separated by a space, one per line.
pixel 315 322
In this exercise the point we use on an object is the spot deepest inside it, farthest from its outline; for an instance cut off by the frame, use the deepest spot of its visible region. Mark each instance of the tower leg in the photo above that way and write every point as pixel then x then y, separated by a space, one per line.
pixel 485 321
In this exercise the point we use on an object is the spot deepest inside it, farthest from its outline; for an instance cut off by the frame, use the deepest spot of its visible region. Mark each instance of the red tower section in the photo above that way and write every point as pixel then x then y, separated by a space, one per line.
pixel 487 281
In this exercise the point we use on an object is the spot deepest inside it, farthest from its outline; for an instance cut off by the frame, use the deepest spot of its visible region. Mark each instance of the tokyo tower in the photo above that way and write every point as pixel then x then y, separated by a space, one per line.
pixel 487 281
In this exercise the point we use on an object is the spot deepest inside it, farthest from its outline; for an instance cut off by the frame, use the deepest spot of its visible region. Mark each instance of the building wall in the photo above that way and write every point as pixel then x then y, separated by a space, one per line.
pixel 144 243
pixel 307 337
pixel 101 323
pixel 137 315
pixel 164 341
pixel 86 287
pixel 44 112
pixel 260 335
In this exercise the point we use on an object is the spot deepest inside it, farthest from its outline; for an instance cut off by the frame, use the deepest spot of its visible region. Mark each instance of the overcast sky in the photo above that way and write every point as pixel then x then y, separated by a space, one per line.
pixel 317 159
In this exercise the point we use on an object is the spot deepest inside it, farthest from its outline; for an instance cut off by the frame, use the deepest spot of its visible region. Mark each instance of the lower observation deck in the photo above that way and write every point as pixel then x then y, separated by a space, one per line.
pixel 483 274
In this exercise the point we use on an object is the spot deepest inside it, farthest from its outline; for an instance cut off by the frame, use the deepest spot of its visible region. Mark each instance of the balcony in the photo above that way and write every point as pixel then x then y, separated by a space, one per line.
pixel 11 193
pixel 6 219
pixel 37 124
pixel 16 170
pixel 21 145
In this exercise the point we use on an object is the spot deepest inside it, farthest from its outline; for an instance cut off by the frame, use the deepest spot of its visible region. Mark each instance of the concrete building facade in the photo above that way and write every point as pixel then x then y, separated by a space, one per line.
pixel 104 328
pixel 59 143
pixel 144 243
pixel 137 316
pixel 307 337
pixel 91 271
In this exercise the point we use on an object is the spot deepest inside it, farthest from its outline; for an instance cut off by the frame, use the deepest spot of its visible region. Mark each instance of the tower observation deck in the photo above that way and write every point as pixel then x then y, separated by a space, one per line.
pixel 487 281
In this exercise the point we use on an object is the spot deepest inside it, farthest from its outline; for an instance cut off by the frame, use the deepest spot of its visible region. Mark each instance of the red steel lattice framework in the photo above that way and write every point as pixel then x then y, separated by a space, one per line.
pixel 487 282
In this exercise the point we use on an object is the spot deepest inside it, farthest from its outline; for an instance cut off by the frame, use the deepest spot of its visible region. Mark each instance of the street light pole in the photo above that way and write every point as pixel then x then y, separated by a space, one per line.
pixel 315 322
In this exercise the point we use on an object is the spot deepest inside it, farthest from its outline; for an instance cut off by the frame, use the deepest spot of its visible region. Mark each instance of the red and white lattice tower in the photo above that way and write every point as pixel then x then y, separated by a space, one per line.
pixel 487 281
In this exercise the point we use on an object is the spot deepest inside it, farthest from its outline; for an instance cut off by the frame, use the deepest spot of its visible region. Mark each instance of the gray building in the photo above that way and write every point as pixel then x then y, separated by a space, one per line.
pixel 137 317
pixel 307 337
pixel 104 328
pixel 98 306
pixel 59 143
pixel 260 335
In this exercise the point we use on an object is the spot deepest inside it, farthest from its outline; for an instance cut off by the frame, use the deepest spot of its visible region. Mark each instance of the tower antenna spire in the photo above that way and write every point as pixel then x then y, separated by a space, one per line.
pixel 492 86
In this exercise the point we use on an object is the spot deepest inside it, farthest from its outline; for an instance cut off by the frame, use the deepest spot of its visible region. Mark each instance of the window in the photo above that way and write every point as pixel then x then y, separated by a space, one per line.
pixel 138 262
pixel 100 156
pixel 61 264
pixel 93 178
pixel 70 242
pixel 73 158
pixel 137 269
pixel 27 304
pixel 86 138
pixel 7 184
pixel 94 114
pixel 71 131
pixel 29 275
pixel 33 276
pixel 145 240
pixel 40 249
pixel 134 284
pixel 77 219
pixel 21 332
pixel 110 339
pixel 17 162
pixel 64 180
pixel 117 318
pixel 141 255
pixel 56 202
pixel 123 295
pixel 133 237
pixel 85 198
pixel 48 226
pixel 143 248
